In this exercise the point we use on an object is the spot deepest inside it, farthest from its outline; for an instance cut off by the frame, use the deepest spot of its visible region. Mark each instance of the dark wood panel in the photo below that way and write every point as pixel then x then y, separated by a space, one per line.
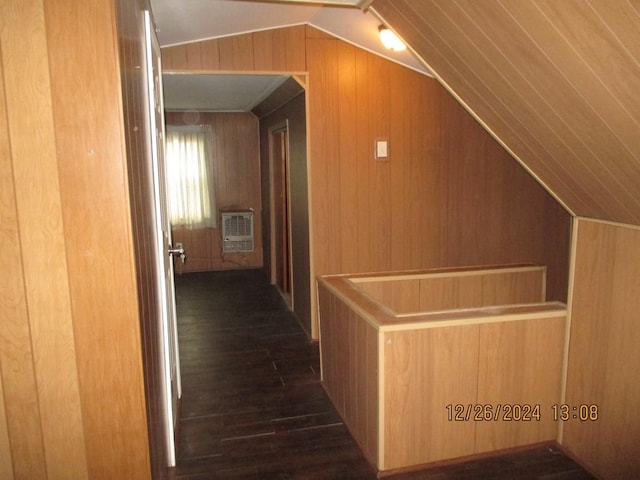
pixel 295 114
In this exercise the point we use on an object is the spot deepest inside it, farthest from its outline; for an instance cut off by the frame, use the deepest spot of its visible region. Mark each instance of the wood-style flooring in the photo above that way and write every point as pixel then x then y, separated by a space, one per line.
pixel 253 407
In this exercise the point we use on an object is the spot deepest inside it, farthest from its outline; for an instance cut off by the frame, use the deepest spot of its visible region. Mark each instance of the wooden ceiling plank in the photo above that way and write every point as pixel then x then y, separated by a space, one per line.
pixel 499 96
pixel 611 95
pixel 580 151
pixel 595 36
pixel 493 47
pixel 422 37
pixel 528 79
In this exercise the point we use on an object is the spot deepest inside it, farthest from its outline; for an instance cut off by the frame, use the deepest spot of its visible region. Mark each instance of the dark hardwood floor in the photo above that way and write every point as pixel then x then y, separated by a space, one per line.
pixel 252 405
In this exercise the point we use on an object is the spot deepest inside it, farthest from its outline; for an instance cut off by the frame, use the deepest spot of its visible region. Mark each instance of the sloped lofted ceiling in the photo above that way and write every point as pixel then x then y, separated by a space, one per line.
pixel 556 82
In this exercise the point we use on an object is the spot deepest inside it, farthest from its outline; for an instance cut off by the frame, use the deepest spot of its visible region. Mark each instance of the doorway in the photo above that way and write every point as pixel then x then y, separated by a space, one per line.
pixel 273 109
pixel 270 180
pixel 281 260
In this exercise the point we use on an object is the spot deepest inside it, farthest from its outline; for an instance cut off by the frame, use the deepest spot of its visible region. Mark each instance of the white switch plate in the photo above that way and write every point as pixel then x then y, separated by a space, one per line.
pixel 382 149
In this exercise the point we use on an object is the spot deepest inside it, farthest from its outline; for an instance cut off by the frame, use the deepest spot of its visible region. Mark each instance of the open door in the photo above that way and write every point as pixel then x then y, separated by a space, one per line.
pixel 168 343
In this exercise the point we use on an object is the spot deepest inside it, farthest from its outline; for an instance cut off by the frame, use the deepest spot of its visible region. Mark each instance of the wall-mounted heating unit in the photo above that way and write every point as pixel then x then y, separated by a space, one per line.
pixel 237 231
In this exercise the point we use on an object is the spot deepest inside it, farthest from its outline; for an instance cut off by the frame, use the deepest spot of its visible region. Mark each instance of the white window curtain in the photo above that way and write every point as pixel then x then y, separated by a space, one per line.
pixel 190 177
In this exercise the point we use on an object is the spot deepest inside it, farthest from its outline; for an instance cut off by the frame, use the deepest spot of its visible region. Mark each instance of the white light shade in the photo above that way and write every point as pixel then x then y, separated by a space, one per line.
pixel 390 40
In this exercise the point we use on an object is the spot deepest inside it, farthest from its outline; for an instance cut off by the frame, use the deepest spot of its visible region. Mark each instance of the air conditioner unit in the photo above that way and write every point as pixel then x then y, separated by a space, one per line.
pixel 237 231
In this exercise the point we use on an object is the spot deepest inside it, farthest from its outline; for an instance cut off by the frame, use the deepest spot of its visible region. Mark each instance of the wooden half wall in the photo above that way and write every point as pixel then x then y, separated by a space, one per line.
pixel 72 385
pixel 448 195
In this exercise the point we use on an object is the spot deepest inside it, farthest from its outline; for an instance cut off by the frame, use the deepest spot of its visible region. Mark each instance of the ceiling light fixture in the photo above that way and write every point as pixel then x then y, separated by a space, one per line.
pixel 390 40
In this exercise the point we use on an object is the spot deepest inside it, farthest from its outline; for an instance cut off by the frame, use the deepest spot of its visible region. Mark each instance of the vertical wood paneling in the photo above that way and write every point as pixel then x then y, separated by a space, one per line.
pixel 210 51
pixel 417 429
pixel 42 240
pixel 236 166
pixel 295 48
pixel 403 296
pixel 72 384
pixel 263 50
pixel 92 164
pixel 397 127
pixel 603 355
pixel 320 131
pixel 280 49
pixel 349 349
pixel 236 53
pixel 175 58
pixel 363 141
pixel 6 462
pixel 425 293
pixel 194 54
pixel 522 367
pixel 379 182
pixel 348 149
pixel 334 345
pixel 25 453
pixel 276 50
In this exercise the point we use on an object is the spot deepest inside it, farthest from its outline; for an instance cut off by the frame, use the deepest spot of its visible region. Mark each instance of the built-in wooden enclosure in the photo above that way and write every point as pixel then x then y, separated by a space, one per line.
pixel 433 365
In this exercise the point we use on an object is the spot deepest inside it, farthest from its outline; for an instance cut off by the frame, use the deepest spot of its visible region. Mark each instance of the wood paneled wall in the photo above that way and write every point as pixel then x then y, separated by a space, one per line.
pixel 236 166
pixel 24 457
pixel 449 194
pixel 350 369
pixel 72 381
pixel 267 51
pixel 470 289
pixel 604 359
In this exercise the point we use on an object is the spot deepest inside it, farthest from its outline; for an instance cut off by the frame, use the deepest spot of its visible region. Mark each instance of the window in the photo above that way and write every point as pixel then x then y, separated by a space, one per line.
pixel 189 177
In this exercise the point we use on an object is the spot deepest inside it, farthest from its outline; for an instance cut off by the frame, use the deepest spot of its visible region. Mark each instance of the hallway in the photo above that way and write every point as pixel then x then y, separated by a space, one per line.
pixel 253 407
